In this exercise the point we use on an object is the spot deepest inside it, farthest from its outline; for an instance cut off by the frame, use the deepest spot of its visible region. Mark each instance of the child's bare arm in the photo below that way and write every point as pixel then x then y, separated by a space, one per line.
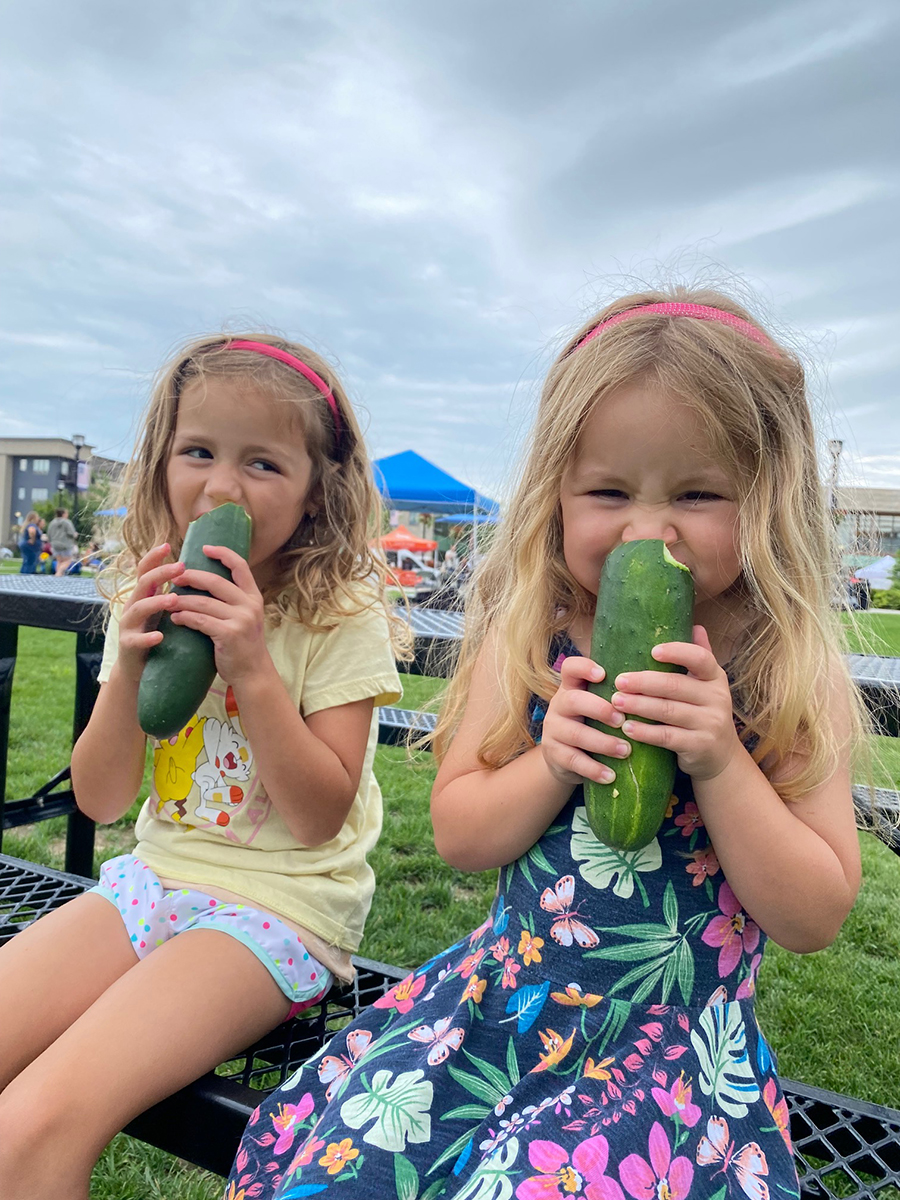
pixel 310 767
pixel 485 818
pixel 794 867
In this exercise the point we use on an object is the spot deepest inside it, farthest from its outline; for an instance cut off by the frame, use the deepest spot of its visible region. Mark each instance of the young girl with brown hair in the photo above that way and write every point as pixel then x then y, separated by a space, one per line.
pixel 262 809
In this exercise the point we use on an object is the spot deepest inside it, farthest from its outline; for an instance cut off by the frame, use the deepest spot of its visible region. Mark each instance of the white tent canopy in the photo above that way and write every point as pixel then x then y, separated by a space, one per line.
pixel 878 573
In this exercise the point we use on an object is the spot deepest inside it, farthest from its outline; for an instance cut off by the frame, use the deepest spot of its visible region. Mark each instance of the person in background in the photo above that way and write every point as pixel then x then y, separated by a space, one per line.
pixel 30 544
pixel 63 540
pixel 45 558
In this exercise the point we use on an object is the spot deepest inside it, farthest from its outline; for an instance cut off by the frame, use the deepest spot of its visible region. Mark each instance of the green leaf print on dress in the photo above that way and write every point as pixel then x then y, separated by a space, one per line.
pixel 662 953
pixel 725 1070
pixel 600 864
pixel 400 1110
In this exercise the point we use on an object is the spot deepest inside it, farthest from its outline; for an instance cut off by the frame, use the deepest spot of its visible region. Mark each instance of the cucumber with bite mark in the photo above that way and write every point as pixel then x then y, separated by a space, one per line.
pixel 180 669
pixel 646 597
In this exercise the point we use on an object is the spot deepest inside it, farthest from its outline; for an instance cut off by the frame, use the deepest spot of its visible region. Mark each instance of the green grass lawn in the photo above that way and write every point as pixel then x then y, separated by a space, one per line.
pixel 833 1017
pixel 873 632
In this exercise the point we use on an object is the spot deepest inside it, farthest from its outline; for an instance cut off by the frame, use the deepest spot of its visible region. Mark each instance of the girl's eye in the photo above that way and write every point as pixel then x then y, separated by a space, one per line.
pixel 609 493
pixel 263 465
pixel 197 452
pixel 695 497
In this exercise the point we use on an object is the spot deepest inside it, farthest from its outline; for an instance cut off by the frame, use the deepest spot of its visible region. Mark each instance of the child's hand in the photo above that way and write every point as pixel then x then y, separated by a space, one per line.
pixel 694 711
pixel 145 604
pixel 232 615
pixel 567 742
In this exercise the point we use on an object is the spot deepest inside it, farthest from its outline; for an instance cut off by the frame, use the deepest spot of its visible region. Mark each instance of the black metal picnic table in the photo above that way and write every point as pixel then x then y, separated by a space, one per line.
pixel 73 604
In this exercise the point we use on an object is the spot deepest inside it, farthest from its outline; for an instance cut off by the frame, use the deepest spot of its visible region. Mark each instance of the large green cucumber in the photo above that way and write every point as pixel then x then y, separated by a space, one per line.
pixel 180 669
pixel 646 597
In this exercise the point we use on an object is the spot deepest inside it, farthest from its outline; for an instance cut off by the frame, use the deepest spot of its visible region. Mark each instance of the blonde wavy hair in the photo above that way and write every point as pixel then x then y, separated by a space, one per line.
pixel 327 568
pixel 752 400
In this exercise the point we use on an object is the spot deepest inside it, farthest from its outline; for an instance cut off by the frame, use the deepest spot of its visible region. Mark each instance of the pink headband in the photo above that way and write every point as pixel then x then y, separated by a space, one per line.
pixel 675 308
pixel 291 360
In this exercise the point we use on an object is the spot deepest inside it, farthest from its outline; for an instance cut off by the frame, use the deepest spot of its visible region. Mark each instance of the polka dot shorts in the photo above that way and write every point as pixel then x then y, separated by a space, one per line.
pixel 153 915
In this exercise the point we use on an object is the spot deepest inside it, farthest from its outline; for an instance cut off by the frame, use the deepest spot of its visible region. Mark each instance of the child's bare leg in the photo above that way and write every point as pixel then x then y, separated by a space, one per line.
pixel 53 971
pixel 188 1006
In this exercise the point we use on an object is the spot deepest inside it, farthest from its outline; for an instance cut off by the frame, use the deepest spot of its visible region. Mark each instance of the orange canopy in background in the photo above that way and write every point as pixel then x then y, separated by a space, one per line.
pixel 401 539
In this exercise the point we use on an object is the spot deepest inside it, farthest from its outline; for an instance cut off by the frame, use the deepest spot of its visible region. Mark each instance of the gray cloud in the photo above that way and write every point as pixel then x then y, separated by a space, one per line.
pixel 432 194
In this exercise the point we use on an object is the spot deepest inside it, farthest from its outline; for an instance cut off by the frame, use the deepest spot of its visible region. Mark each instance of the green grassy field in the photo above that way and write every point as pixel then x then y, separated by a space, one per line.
pixel 833 1017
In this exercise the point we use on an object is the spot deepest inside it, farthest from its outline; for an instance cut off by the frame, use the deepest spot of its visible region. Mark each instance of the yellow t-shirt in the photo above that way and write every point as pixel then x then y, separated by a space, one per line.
pixel 208 821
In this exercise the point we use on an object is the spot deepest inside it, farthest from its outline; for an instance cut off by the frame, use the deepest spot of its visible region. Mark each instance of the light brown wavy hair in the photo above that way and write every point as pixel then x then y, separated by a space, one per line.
pixel 327 568
pixel 752 400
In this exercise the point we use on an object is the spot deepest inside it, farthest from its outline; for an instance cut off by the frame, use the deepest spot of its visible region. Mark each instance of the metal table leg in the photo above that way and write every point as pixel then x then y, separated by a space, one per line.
pixel 9 638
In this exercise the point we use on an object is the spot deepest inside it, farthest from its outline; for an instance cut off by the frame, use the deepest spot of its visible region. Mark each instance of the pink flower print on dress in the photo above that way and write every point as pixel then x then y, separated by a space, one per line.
pixel 690 819
pixel 402 995
pixel 747 986
pixel 510 970
pixel 470 963
pixel 779 1112
pixel 676 1102
pixel 307 1151
pixel 286 1121
pixel 500 949
pixel 584 1176
pixel 662 1176
pixel 733 931
pixel 705 864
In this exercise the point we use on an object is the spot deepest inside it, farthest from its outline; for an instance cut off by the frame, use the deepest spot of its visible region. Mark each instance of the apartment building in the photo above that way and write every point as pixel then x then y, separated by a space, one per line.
pixel 37 468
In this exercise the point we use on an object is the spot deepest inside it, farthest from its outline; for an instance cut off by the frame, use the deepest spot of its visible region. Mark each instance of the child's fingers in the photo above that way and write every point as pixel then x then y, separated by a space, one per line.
pixel 687 689
pixel 582 764
pixel 207 606
pixel 153 577
pixel 576 672
pixel 145 609
pixel 214 585
pixel 698 659
pixel 595 741
pixel 585 705
pixel 239 567
pixel 655 708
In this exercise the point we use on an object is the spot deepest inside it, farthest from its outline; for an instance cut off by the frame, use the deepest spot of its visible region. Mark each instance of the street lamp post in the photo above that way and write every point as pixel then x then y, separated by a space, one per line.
pixel 77 442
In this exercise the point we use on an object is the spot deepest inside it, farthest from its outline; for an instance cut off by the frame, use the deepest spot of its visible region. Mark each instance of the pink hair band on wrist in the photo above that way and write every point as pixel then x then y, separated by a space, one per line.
pixel 291 360
pixel 677 308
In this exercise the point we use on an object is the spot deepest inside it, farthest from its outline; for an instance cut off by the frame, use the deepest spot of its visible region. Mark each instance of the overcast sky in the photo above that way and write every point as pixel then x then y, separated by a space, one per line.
pixel 433 194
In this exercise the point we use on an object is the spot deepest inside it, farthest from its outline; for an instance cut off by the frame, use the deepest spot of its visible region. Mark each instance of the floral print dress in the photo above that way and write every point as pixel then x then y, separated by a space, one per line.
pixel 594 1038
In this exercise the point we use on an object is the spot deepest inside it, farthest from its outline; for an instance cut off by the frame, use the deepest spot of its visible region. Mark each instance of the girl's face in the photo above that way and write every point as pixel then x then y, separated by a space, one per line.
pixel 232 443
pixel 644 469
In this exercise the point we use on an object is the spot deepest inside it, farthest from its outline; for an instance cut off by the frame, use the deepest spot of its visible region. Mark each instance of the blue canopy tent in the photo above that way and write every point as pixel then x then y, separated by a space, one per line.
pixel 412 483
pixel 472 518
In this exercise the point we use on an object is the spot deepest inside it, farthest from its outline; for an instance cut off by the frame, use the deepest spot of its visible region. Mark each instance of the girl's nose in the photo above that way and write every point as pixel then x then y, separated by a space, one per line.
pixel 222 484
pixel 650 525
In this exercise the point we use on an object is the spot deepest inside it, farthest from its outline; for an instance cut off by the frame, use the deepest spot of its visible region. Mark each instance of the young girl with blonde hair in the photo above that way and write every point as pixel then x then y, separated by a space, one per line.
pixel 596 1035
pixel 262 809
